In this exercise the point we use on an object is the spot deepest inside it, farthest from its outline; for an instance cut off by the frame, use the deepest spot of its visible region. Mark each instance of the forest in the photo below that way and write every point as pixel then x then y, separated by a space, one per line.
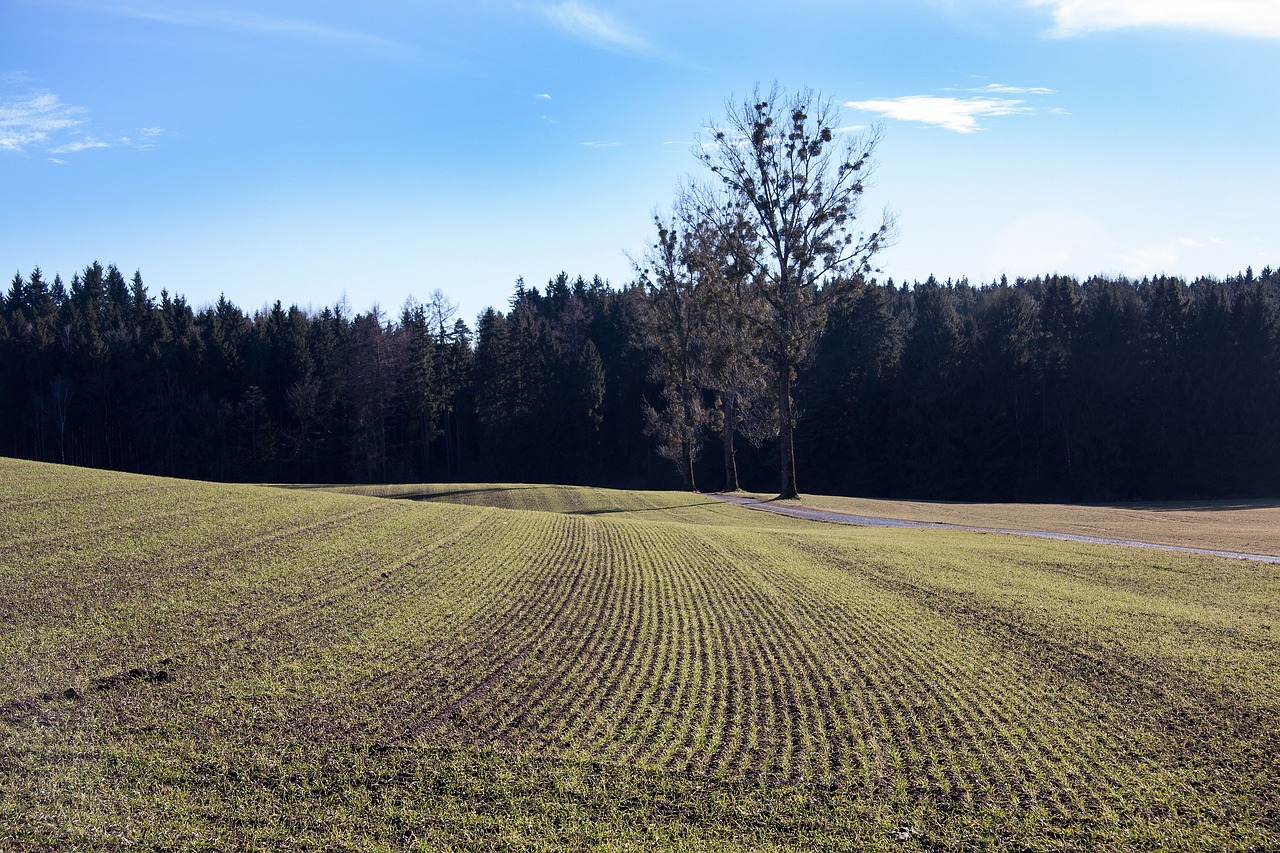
pixel 1047 388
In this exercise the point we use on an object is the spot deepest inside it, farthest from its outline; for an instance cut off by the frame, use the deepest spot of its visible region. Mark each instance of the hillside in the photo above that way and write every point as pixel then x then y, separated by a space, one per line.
pixel 189 665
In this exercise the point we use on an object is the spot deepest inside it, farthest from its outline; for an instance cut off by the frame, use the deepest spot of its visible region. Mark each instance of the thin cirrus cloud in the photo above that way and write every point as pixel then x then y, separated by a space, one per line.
pixel 593 26
pixel 957 114
pixel 1251 18
pixel 40 120
pixel 225 19
pixel 1005 89
pixel 80 145
pixel 32 118
pixel 1137 261
pixel 145 140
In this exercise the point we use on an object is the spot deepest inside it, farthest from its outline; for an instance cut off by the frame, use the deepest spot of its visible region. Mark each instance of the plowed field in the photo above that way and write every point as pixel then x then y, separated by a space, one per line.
pixel 197 666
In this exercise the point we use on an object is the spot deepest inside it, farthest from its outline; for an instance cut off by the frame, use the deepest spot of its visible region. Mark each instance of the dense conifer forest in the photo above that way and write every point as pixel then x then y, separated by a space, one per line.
pixel 1039 389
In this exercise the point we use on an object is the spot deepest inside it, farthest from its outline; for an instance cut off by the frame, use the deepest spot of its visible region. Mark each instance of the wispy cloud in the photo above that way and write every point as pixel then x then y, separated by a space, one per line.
pixel 1004 89
pixel 600 144
pixel 32 118
pixel 958 114
pixel 40 119
pixel 227 19
pixel 1138 261
pixel 542 96
pixel 1252 18
pixel 144 140
pixel 80 145
pixel 1062 239
pixel 594 26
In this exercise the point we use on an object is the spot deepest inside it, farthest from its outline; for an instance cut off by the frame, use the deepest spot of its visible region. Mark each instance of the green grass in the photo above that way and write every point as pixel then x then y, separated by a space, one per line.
pixel 196 666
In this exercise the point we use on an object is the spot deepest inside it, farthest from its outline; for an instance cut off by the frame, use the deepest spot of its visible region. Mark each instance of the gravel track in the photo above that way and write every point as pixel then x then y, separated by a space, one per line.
pixel 877 521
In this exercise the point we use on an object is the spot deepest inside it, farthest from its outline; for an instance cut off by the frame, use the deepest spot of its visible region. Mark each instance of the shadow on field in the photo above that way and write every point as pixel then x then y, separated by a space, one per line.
pixel 646 509
pixel 1197 506
pixel 307 486
pixel 488 490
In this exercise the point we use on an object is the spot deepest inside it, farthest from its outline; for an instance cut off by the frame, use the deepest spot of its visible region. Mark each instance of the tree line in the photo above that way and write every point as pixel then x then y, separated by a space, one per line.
pixel 101 373
pixel 1048 388
pixel 755 317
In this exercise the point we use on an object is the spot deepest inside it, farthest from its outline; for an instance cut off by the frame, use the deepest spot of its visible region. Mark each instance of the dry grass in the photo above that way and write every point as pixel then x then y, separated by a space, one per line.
pixel 1244 526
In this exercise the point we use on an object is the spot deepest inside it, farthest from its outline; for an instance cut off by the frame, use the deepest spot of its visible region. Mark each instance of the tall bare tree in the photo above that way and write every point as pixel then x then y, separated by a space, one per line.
pixel 799 182
pixel 672 329
pixel 731 315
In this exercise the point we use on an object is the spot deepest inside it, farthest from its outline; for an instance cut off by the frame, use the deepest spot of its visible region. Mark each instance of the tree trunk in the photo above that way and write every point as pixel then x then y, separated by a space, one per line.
pixel 687 451
pixel 448 440
pixel 730 455
pixel 786 437
pixel 458 442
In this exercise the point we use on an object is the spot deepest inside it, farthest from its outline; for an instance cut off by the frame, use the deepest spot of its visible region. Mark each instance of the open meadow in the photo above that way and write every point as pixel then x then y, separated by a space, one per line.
pixel 189 666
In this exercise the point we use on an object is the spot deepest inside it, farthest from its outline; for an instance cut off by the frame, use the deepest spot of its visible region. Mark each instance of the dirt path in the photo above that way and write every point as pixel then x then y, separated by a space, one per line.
pixel 876 521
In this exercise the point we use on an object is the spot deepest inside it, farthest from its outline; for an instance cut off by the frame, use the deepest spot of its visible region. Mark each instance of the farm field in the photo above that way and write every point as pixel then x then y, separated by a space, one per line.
pixel 1245 526
pixel 200 666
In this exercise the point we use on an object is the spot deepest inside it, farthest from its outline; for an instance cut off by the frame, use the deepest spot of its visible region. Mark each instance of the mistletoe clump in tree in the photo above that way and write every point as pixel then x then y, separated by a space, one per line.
pixel 798 182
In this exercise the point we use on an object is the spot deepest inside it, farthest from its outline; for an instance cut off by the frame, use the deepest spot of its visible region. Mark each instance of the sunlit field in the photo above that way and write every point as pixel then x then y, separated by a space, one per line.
pixel 1248 526
pixel 196 666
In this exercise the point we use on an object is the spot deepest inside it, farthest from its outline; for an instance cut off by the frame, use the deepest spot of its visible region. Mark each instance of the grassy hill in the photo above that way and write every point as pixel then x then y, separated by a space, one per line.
pixel 198 666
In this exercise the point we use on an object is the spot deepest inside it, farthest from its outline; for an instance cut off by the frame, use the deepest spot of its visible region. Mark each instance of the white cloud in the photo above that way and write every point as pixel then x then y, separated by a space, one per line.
pixel 1074 241
pixel 41 119
pixel 1140 261
pixel 226 19
pixel 1005 89
pixel 79 145
pixel 1045 241
pixel 543 97
pixel 599 144
pixel 591 25
pixel 145 139
pixel 1257 18
pixel 958 114
pixel 30 119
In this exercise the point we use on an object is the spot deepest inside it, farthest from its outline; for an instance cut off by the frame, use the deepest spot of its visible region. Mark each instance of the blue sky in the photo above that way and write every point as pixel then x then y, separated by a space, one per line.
pixel 307 151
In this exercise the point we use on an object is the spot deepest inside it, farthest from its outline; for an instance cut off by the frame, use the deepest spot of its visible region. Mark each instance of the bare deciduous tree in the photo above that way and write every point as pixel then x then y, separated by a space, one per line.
pixel 799 183
pixel 671 327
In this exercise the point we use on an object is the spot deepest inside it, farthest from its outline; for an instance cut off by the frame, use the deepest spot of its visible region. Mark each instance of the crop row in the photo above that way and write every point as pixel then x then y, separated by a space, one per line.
pixel 729 657
pixel 664 507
